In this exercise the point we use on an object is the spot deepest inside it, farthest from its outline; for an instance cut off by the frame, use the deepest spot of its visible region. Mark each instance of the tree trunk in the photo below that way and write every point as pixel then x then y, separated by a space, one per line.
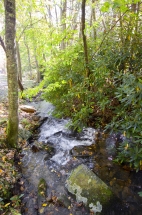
pixel 63 21
pixel 92 20
pixel 12 74
pixel 84 38
pixel 56 14
pixel 19 69
pixel 19 81
pixel 121 29
pixel 19 62
pixel 37 68
pixel 29 57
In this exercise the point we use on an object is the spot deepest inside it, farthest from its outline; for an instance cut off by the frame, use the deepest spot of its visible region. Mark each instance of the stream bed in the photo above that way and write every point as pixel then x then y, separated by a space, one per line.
pixel 55 151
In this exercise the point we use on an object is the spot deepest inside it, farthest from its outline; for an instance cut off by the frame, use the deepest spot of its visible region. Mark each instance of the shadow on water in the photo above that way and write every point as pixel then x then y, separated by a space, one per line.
pixel 52 156
pixel 124 182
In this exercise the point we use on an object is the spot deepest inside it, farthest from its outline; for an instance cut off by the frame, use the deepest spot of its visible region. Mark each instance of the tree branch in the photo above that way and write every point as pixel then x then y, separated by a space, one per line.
pixel 107 33
pixel 2 44
pixel 4 48
pixel 84 38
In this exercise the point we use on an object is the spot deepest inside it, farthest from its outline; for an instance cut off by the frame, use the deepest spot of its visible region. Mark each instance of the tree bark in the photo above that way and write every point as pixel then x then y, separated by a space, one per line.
pixel 29 57
pixel 19 62
pixel 63 17
pixel 37 67
pixel 93 19
pixel 2 44
pixel 12 74
pixel 84 38
pixel 19 80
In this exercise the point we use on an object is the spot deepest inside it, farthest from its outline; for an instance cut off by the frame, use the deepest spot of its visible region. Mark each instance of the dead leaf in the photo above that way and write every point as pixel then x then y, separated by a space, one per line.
pixel 22 188
pixel 3 158
pixel 44 204
pixel 7 205
pixel 1 172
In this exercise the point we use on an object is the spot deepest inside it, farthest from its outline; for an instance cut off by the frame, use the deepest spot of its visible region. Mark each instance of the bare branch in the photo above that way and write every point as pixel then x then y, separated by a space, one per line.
pixel 2 44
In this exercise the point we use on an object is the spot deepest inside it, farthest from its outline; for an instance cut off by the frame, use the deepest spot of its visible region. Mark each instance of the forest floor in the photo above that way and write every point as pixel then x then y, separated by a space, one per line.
pixel 9 158
pixel 10 169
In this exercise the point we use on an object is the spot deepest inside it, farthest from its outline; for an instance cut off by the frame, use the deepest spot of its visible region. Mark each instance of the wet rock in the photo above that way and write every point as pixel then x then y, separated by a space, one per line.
pixel 24 133
pixel 78 213
pixel 29 209
pixel 126 192
pixel 64 201
pixel 29 200
pixel 36 118
pixel 35 149
pixel 89 188
pixel 27 108
pixel 42 190
pixel 50 151
pixel 83 151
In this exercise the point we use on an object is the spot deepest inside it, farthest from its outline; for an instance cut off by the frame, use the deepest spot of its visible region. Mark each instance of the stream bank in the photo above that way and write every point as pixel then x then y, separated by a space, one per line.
pixel 55 151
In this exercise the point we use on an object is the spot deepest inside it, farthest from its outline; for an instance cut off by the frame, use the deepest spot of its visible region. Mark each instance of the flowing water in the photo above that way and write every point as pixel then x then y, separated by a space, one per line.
pixel 61 150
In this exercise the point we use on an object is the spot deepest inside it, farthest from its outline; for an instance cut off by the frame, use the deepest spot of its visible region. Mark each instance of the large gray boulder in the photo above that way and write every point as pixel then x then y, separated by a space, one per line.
pixel 89 188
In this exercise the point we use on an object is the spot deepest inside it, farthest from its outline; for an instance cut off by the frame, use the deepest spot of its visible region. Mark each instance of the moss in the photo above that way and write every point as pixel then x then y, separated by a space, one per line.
pixel 12 134
pixel 42 187
pixel 88 187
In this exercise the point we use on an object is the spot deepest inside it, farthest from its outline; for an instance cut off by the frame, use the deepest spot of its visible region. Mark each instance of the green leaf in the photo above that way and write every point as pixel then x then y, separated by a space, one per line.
pixel 105 7
pixel 140 194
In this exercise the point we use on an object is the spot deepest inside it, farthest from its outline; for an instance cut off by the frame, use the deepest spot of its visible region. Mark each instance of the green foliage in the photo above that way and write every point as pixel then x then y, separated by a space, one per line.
pixel 31 92
pixel 130 153
pixel 12 207
pixel 140 194
pixel 16 200
pixel 129 94
pixel 112 93
pixel 128 114
pixel 105 7
pixel 129 118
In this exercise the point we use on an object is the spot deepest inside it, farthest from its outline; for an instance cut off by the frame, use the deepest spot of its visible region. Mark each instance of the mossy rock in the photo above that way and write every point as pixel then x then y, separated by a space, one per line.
pixel 89 188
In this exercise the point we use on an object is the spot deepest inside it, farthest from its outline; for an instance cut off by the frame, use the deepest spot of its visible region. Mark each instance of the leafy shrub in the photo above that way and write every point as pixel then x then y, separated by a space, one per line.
pixel 130 153
pixel 111 94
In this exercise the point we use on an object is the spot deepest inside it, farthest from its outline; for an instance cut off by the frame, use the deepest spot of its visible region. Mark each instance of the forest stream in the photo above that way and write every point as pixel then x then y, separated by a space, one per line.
pixel 55 151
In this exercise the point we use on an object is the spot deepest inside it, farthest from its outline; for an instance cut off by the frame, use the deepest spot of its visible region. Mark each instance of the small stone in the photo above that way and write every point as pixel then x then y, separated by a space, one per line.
pixel 27 109
pixel 36 118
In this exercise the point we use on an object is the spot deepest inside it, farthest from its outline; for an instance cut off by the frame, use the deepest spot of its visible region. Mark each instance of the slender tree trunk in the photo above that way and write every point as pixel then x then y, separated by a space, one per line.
pixel 4 48
pixel 12 74
pixel 93 19
pixel 37 69
pixel 19 61
pixel 121 29
pixel 50 15
pixel 84 38
pixel 29 57
pixel 63 17
pixel 19 69
pixel 56 15
pixel 137 20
